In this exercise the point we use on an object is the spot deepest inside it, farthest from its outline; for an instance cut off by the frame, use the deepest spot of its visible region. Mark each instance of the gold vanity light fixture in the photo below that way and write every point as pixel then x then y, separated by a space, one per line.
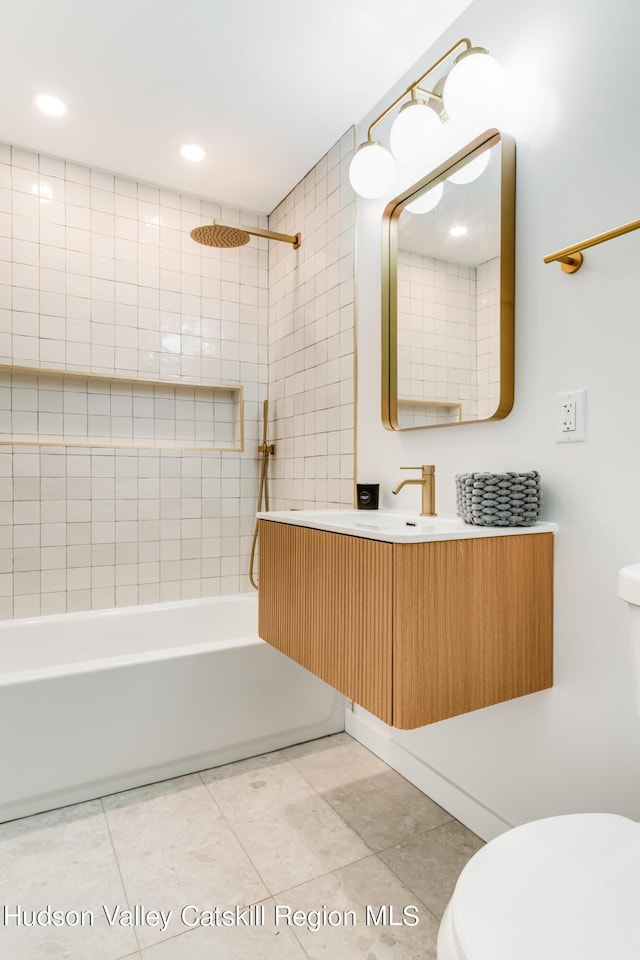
pixel 223 235
pixel 417 132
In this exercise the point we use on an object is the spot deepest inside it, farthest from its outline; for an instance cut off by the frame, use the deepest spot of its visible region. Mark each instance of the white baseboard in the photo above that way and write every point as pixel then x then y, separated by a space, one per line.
pixel 461 805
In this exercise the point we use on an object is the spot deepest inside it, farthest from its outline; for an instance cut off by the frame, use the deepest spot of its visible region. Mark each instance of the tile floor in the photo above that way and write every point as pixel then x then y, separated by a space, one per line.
pixel 320 825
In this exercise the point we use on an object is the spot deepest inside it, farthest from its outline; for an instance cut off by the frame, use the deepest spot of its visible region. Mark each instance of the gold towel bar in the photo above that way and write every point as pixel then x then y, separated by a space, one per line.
pixel 571 258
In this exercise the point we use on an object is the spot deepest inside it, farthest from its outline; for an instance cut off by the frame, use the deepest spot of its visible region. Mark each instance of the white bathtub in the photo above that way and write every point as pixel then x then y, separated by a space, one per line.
pixel 93 703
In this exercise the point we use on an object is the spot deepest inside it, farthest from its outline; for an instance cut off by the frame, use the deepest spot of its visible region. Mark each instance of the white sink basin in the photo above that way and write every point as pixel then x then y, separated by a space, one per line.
pixel 395 526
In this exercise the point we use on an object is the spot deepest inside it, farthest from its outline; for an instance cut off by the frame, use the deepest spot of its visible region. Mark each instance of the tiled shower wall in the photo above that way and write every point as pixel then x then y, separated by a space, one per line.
pixel 311 339
pixel 448 336
pixel 98 274
pixel 488 327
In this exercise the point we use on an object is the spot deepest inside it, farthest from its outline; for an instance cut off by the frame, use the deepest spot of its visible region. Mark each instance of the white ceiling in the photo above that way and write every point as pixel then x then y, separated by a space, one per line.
pixel 266 86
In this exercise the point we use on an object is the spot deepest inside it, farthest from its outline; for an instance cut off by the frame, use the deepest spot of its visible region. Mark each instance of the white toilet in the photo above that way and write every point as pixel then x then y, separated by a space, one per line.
pixel 562 888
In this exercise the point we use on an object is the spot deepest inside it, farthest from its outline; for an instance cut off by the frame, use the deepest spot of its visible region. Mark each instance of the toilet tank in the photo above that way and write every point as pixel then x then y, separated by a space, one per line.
pixel 629 590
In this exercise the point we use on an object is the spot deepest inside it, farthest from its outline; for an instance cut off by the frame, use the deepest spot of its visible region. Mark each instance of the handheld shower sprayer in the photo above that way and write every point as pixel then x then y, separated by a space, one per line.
pixel 265 450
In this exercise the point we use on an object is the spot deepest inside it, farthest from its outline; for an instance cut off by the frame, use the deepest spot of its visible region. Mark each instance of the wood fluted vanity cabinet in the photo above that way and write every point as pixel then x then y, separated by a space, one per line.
pixel 412 632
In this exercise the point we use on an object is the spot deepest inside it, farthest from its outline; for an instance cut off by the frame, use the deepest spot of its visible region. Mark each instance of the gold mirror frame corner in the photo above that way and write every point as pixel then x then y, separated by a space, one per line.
pixel 390 217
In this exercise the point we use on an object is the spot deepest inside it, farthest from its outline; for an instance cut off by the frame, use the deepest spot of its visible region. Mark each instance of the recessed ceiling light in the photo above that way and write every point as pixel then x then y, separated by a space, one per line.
pixel 458 231
pixel 191 151
pixel 53 106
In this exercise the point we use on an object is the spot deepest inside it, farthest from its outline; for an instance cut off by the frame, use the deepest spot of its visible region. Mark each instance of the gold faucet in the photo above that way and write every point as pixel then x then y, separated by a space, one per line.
pixel 428 483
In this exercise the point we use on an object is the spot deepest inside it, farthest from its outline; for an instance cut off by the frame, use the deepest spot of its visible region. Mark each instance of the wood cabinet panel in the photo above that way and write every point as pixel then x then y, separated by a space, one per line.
pixel 414 633
pixel 325 601
pixel 472 624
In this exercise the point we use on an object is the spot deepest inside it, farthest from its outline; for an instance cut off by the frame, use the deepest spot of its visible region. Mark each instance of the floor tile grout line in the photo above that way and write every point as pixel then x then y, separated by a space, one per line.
pixel 316 791
pixel 271 895
pixel 318 876
pixel 331 737
pixel 437 919
pixel 169 939
pixel 417 833
pixel 235 835
pixel 183 933
pixel 327 799
pixel 388 767
pixel 213 801
pixel 321 876
pixel 119 869
pixel 418 900
pixel 412 891
pixel 372 852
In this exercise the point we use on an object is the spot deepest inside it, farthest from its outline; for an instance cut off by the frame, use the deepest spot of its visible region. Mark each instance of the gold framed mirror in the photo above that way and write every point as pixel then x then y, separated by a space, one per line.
pixel 448 265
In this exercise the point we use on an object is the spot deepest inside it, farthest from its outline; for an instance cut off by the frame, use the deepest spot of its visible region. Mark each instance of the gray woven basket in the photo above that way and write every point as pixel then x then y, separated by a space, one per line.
pixel 499 499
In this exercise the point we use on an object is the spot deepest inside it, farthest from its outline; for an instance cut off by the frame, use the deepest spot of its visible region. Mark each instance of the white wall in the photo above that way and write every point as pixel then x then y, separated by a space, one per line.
pixel 575 747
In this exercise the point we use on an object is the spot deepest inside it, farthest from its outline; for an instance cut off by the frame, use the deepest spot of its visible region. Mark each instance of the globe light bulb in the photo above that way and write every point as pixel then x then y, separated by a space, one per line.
pixel 372 170
pixel 472 170
pixel 416 133
pixel 192 151
pixel 474 88
pixel 49 104
pixel 427 201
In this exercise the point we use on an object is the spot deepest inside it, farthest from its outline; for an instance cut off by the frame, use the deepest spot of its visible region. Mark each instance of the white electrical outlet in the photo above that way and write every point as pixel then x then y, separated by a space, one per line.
pixel 568 417
pixel 571 416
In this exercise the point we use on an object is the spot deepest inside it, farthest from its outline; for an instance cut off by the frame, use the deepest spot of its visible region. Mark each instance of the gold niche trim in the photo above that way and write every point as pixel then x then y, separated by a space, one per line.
pixel 122 443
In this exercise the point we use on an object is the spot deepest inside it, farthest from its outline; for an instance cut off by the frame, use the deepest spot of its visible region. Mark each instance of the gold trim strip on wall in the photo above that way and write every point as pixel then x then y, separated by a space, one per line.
pixel 113 377
pixel 570 258
pixel 116 446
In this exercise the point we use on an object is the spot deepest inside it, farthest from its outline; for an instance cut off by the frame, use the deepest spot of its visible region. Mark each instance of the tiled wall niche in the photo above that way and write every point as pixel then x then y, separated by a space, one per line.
pixel 74 409
pixel 311 339
pixel 98 274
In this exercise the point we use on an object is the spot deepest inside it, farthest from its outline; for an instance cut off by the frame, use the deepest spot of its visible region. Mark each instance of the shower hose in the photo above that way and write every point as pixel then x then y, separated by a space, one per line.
pixel 265 450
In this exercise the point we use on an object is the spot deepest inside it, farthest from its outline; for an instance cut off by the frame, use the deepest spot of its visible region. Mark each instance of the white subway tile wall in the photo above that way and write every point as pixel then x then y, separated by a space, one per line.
pixel 98 274
pixel 488 326
pixel 311 339
pixel 448 338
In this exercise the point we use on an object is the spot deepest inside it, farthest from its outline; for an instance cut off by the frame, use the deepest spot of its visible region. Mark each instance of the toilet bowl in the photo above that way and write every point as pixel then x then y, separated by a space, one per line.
pixel 562 888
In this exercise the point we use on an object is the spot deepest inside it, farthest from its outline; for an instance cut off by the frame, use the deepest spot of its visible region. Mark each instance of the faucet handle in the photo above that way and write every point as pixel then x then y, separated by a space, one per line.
pixel 427 468
pixel 411 468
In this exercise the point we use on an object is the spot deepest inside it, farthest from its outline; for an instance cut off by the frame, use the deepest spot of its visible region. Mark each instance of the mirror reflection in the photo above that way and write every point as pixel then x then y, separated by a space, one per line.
pixel 449 294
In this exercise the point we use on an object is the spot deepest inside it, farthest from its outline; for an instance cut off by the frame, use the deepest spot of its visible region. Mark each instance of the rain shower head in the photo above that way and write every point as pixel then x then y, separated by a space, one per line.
pixel 222 235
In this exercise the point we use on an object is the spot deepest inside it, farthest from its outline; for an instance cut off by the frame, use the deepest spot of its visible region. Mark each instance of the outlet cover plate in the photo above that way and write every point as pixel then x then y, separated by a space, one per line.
pixel 571 407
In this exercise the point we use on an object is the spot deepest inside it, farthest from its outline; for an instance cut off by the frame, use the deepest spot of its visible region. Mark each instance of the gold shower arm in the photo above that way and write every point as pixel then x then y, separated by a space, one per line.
pixel 269 234
pixel 571 258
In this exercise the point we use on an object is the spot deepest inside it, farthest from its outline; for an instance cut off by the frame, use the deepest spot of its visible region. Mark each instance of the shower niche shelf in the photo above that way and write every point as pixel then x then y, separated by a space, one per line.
pixel 43 407
pixel 419 413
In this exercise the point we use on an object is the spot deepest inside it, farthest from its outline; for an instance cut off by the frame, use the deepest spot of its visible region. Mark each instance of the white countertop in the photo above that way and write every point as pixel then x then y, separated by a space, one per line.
pixel 397 526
